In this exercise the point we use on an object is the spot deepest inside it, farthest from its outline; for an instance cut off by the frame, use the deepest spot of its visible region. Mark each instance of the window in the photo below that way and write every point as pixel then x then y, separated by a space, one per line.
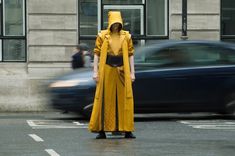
pixel 88 17
pixel 202 54
pixel 168 57
pixel 12 35
pixel 157 19
pixel 132 17
pixel 188 55
pixel 228 20
pixel 145 19
pixel 14 50
pixel 161 56
pixel 122 1
pixel 199 55
pixel 227 56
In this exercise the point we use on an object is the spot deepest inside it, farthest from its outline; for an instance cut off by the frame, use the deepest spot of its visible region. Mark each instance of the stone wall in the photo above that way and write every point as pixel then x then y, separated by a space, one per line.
pixel 203 19
pixel 51 37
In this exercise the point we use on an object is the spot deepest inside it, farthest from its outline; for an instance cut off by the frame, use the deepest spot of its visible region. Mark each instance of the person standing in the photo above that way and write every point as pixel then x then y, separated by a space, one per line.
pixel 82 57
pixel 113 109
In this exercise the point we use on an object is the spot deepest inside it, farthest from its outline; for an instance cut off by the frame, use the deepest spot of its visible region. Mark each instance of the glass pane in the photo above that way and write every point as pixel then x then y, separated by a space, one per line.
pixel 228 17
pixel 122 1
pixel 13 15
pixel 0 50
pixel 88 17
pixel 160 57
pixel 229 40
pixel 201 54
pixel 155 41
pixel 14 50
pixel 0 18
pixel 185 56
pixel 131 20
pixel 196 55
pixel 156 22
pixel 227 56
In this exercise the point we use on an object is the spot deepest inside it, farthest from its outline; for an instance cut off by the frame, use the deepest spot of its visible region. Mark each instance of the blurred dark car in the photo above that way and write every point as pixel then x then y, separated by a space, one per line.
pixel 171 76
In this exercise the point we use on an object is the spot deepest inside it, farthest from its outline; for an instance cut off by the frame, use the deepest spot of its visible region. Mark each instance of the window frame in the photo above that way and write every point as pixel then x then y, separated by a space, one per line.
pixel 166 17
pixel 100 6
pixel 128 7
pixel 12 37
pixel 222 36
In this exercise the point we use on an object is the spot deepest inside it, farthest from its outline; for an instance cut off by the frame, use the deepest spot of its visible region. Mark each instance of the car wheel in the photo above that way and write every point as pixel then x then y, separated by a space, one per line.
pixel 230 104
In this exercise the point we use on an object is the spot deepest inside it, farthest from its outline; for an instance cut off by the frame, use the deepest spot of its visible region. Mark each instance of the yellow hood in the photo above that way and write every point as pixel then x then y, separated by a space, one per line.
pixel 114 17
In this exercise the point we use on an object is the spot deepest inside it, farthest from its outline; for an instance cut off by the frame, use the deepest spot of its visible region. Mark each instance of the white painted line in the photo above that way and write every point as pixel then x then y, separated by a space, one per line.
pixel 51 152
pixel 31 123
pixel 48 124
pixel 230 122
pixel 202 121
pixel 36 138
pixel 217 125
pixel 214 127
pixel 184 122
pixel 79 124
pixel 55 127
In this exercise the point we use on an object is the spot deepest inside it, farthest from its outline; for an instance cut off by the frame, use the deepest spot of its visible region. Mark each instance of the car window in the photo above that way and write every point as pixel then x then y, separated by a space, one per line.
pixel 227 56
pixel 205 55
pixel 158 57
pixel 188 55
pixel 169 57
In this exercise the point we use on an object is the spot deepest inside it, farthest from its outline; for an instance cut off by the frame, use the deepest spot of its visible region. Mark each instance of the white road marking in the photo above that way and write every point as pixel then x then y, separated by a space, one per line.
pixel 56 127
pixel 51 152
pixel 36 138
pixel 210 124
pixel 47 124
pixel 31 123
pixel 78 123
pixel 222 127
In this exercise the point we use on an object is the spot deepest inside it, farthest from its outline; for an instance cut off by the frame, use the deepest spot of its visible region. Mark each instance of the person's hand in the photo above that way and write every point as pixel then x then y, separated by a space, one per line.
pixel 132 77
pixel 95 77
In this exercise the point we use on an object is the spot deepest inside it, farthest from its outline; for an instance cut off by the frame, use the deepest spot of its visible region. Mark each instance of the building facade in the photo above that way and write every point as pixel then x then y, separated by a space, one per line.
pixel 37 37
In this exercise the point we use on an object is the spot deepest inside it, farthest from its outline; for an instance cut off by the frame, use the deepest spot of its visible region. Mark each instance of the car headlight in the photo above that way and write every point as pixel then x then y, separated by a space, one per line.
pixel 67 83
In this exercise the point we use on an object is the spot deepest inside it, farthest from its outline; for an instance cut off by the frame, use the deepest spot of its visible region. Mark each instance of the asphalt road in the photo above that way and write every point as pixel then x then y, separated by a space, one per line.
pixel 55 134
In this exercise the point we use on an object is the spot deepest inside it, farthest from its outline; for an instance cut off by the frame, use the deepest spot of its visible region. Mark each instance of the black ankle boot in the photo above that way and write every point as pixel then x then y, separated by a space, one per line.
pixel 129 135
pixel 101 135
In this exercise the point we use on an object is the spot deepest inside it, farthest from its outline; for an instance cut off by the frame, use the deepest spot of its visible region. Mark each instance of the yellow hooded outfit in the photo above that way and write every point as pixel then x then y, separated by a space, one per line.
pixel 113 108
